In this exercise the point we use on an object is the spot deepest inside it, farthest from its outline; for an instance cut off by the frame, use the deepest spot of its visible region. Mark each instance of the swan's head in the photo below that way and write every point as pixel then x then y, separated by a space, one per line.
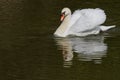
pixel 64 13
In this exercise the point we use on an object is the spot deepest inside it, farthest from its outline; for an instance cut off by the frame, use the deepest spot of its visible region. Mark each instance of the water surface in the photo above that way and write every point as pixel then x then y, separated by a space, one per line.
pixel 29 51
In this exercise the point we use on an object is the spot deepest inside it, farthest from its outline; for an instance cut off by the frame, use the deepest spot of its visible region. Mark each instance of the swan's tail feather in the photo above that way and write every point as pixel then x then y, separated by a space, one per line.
pixel 105 28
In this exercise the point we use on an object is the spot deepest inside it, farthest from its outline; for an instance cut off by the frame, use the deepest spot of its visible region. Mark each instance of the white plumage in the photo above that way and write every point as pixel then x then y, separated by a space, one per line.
pixel 87 19
pixel 82 22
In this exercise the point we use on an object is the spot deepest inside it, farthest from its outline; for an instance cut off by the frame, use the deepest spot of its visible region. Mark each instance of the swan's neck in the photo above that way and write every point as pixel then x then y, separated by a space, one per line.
pixel 62 30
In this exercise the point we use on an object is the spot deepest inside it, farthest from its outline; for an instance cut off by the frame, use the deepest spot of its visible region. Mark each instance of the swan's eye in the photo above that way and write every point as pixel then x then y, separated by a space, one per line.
pixel 63 13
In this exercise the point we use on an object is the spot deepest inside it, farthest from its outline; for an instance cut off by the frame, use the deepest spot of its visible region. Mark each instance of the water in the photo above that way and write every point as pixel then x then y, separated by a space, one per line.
pixel 29 51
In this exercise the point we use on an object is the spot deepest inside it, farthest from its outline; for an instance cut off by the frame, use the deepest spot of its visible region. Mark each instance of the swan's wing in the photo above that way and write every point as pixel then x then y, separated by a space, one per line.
pixel 87 19
pixel 75 16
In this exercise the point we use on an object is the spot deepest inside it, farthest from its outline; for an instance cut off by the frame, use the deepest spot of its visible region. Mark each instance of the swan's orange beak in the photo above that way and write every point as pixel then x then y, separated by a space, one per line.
pixel 62 17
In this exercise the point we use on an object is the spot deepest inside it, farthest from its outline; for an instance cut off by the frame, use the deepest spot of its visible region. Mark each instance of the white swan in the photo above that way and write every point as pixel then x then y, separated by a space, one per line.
pixel 82 22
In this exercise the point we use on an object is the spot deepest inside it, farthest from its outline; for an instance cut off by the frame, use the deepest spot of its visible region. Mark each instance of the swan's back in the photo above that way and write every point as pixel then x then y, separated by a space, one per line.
pixel 87 19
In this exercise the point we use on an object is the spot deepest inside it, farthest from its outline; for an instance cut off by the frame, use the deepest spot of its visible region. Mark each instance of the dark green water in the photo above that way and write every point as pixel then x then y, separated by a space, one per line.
pixel 29 51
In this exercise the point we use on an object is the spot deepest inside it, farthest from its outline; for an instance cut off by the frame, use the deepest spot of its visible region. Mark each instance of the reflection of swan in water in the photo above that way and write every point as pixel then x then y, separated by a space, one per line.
pixel 66 46
pixel 87 48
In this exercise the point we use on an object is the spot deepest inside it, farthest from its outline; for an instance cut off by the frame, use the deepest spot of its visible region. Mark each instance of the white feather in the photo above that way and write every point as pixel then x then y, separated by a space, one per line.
pixel 105 28
pixel 86 19
pixel 82 22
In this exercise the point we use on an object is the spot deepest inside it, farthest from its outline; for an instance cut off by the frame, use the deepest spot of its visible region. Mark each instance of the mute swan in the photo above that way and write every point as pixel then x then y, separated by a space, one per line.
pixel 82 22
